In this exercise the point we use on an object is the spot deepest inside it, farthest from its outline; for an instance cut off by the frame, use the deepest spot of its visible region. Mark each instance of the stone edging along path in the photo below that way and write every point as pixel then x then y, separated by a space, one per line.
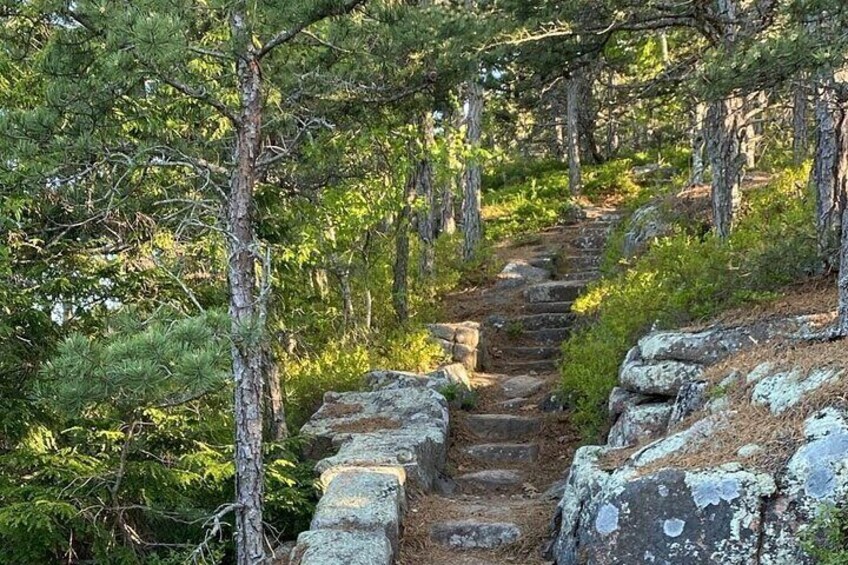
pixel 373 448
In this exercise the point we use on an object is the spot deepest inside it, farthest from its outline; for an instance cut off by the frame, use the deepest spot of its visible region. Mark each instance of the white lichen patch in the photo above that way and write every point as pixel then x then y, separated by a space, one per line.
pixel 606 521
pixel 782 391
pixel 673 527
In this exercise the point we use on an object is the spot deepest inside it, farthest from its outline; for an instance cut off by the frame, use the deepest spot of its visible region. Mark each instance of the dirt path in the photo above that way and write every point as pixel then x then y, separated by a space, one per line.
pixel 508 452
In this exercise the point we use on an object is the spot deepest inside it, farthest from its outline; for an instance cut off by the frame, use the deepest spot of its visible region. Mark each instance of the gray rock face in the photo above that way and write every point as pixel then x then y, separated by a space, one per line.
pixel 363 501
pixel 816 475
pixel 468 534
pixel 639 423
pixel 331 547
pixel 640 512
pixel 658 378
pixel 690 398
pixel 714 344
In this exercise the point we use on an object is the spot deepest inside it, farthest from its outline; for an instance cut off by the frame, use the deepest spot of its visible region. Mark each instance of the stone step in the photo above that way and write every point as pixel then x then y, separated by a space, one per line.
pixel 554 291
pixel 547 336
pixel 548 307
pixel 502 426
pixel 489 480
pixel 534 322
pixel 580 262
pixel 530 353
pixel 542 366
pixel 504 452
pixel 473 534
pixel 582 276
pixel 521 386
pixel 545 262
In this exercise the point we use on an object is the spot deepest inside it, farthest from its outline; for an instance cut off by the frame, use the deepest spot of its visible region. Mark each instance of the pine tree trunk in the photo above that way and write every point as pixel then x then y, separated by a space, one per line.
pixel 823 173
pixel 799 122
pixel 575 181
pixel 841 192
pixel 400 280
pixel 587 115
pixel 726 161
pixel 698 144
pixel 472 224
pixel 427 216
pixel 275 412
pixel 244 304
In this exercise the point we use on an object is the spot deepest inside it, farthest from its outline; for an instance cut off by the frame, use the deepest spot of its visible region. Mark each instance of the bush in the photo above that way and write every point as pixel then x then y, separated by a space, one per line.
pixel 683 278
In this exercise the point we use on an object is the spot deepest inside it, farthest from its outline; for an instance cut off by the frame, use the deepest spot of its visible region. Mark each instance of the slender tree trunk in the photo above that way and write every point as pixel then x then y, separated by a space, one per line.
pixel 726 161
pixel 400 282
pixel 841 191
pixel 575 181
pixel 472 223
pixel 347 296
pixel 246 311
pixel 427 216
pixel 753 108
pixel 587 115
pixel 823 173
pixel 369 309
pixel 612 130
pixel 698 142
pixel 799 121
pixel 275 412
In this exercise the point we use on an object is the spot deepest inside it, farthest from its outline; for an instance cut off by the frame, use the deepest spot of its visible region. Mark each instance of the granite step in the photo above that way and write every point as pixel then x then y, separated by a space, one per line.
pixel 502 426
pixel 554 291
pixel 504 452
pixel 474 534
pixel 489 480
pixel 548 307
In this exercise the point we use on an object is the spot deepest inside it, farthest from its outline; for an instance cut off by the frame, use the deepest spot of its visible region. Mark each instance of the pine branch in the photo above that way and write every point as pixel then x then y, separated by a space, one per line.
pixel 287 35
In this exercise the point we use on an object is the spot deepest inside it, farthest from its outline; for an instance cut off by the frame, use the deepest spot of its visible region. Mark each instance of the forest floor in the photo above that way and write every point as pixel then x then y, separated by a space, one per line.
pixel 508 453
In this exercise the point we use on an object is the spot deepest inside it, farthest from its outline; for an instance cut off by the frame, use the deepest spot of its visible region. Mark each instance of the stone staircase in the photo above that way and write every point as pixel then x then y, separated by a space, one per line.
pixel 508 454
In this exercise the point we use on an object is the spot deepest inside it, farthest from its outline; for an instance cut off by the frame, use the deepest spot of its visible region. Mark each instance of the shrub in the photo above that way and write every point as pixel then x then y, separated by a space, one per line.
pixel 682 278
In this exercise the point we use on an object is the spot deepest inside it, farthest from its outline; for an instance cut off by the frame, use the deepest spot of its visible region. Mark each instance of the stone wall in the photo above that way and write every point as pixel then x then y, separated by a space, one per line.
pixel 460 342
pixel 372 449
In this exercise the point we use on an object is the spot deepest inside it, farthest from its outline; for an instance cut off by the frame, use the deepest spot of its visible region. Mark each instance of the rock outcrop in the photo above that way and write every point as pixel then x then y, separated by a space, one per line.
pixel 688 495
pixel 371 449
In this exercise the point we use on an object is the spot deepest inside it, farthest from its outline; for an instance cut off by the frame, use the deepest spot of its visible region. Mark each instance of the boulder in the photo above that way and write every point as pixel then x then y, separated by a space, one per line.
pixel 714 344
pixel 645 225
pixel 459 341
pixel 453 375
pixel 518 273
pixel 640 423
pixel 332 547
pixel 658 378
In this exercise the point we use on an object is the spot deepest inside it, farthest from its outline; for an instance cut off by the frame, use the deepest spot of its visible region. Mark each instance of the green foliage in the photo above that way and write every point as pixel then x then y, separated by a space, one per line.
pixel 826 538
pixel 686 277
pixel 613 178
pixel 531 199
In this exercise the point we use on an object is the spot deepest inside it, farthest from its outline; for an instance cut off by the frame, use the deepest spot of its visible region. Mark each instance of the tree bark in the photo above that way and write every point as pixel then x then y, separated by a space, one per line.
pixel 427 215
pixel 841 191
pixel 275 412
pixel 400 279
pixel 246 311
pixel 472 223
pixel 823 173
pixel 800 133
pixel 575 181
pixel 726 161
pixel 587 115
pixel 698 143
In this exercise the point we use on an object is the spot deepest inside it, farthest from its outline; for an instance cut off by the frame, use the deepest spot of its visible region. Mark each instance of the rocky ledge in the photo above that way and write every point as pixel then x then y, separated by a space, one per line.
pixel 713 462
pixel 372 448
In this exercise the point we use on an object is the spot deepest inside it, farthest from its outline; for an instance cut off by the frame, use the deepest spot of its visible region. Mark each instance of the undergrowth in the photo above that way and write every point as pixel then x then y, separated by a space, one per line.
pixel 683 278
